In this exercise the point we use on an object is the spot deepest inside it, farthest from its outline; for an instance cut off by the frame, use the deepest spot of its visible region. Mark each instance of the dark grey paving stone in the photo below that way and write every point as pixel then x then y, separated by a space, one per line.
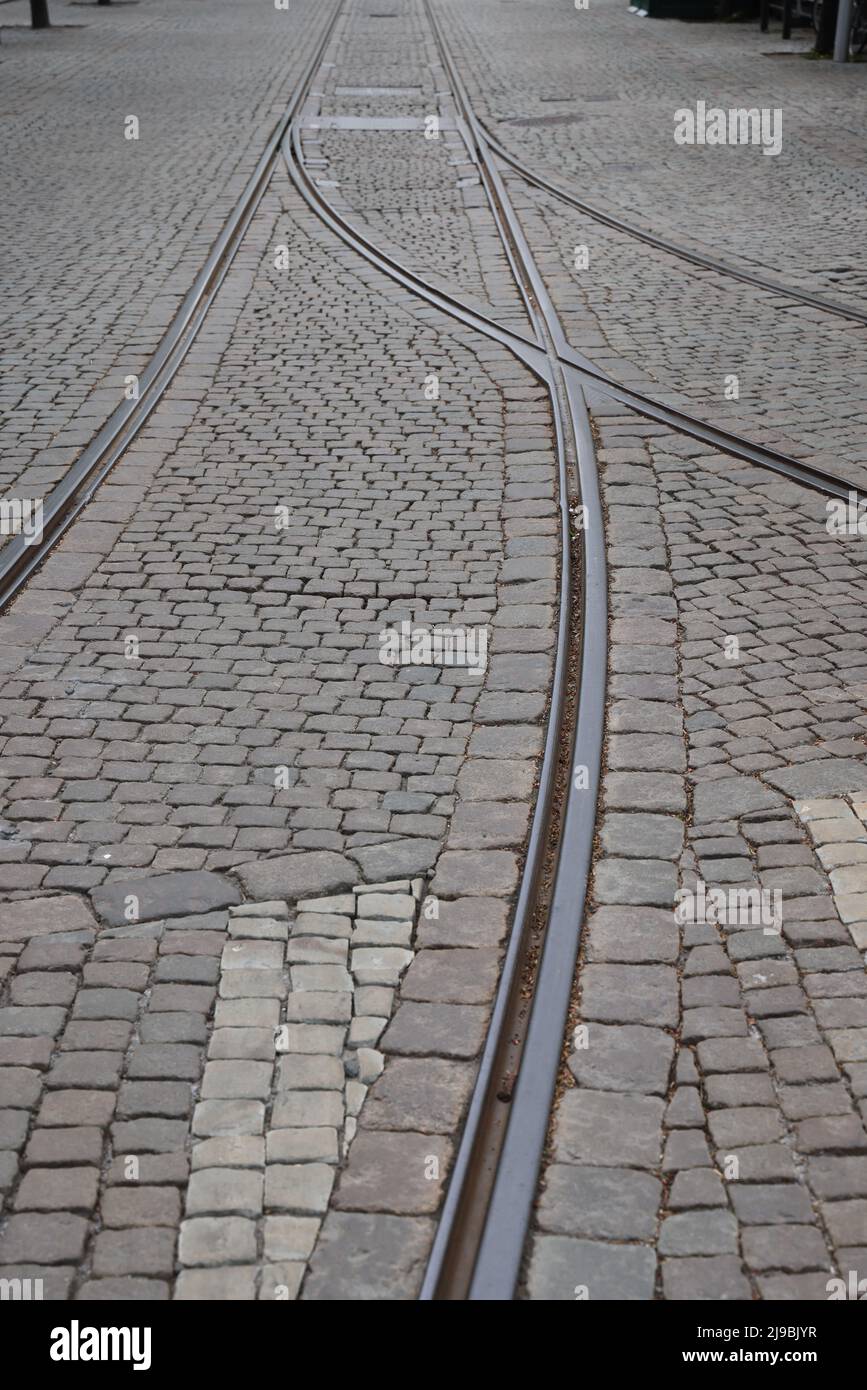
pixel 632 935
pixel 599 1203
pixel 644 791
pixel 624 1058
pixel 165 895
pixel 397 859
pixel 729 797
pixel 635 881
pixel 716 1278
pixel 563 1269
pixel 606 1129
pixel 426 1094
pixel 823 777
pixel 369 1257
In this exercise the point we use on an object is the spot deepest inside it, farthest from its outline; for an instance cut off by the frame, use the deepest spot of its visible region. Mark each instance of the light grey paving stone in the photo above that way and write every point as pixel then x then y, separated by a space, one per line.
pixel 236 1080
pixel 217 1240
pixel 796 1288
pixel 274 908
pixel 142 1251
pixel 290 1237
pixel 446 1030
pixel 427 1094
pixel 386 906
pixel 644 791
pixel 317 950
pixel 241 1044
pixel 307 1110
pixel 273 929
pixel 233 1151
pixel 302 1145
pixel 301 1072
pixel 252 955
pixel 452 976
pixel 788 1248
pixel 563 1269
pixel 224 1118
pixel 652 882
pixel 696 1187
pixel 771 1204
pixel 125 1289
pixel 247 1013
pixel 732 797
pixel 281 1281
pixel 291 877
pixel 218 1191
pixel 298 1187
pixel 52 1282
pixel 642 835
pixel 331 924
pixel 340 904
pixel 233 1283
pixel 397 859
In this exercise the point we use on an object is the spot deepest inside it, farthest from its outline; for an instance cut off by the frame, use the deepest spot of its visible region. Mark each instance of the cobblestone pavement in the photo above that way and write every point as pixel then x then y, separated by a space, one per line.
pixel 710 1140
pixel 104 234
pixel 588 98
pixel 256 739
pixel 254 881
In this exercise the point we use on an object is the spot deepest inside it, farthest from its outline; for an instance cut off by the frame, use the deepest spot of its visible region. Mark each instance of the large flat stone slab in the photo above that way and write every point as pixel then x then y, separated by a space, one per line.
pixel 823 777
pixel 165 895
pixel 369 1257
pixel 726 798
pixel 395 859
pixel 294 876
pixel 19 921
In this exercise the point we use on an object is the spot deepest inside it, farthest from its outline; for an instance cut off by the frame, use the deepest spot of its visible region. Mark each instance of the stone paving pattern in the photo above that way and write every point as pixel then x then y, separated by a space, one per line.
pixel 710 1142
pixel 587 97
pixel 255 748
pixel 204 761
pixel 103 235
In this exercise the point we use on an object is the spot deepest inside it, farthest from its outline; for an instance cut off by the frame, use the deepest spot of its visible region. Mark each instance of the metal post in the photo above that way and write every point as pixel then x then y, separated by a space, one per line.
pixel 787 19
pixel 39 14
pixel 841 38
pixel 764 11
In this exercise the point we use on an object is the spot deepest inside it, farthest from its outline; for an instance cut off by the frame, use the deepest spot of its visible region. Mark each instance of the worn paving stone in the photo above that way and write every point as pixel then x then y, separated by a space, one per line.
pixel 623 1058
pixel 599 1203
pixel 563 1269
pixel 368 1257
pixel 164 895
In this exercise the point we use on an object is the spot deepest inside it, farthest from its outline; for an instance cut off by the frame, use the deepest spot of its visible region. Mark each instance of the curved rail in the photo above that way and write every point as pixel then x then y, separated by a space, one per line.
pixel 683 253
pixel 18 560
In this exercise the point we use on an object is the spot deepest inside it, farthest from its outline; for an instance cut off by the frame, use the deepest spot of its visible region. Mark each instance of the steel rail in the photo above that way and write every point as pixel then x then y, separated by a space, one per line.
pixel 496 1239
pixel 724 441
pixel 684 253
pixel 485 1125
pixel 500 1246
pixel 64 503
pixel 719 439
